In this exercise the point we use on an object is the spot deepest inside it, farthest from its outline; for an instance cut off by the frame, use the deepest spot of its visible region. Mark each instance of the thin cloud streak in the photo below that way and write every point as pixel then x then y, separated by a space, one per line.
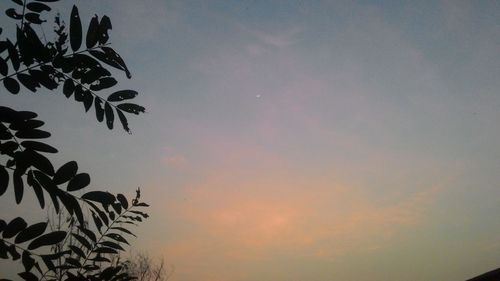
pixel 232 223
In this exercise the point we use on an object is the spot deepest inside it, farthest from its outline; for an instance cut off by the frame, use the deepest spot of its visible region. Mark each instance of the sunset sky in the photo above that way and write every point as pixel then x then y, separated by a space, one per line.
pixel 300 140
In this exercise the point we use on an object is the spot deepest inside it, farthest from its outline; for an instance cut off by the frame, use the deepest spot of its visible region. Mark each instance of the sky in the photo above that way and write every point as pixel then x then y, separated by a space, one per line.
pixel 301 140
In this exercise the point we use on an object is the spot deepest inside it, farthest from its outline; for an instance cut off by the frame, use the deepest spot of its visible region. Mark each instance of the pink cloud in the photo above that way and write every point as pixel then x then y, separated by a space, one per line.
pixel 259 219
pixel 173 158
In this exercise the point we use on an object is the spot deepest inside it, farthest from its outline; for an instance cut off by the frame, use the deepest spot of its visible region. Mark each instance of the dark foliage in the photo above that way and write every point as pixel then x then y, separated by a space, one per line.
pixel 77 64
pixel 80 71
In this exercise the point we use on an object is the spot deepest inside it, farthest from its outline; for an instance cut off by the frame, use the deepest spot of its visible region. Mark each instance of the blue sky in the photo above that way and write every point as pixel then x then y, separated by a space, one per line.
pixel 303 140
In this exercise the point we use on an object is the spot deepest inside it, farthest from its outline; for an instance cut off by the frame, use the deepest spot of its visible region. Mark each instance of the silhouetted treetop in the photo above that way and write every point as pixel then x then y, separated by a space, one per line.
pixel 83 70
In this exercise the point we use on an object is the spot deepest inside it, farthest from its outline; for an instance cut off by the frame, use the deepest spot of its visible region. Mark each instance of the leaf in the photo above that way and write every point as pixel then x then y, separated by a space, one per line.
pixel 11 85
pixel 110 117
pixel 49 186
pixel 28 261
pixel 14 227
pixel 122 95
pixel 100 259
pixel 67 64
pixel 141 205
pixel 103 83
pixel 48 69
pixel 8 147
pixel 2 225
pixel 104 26
pixel 3 45
pixel 4 180
pixel 92 74
pixel 3 253
pixel 28 81
pixel 19 2
pixel 22 161
pixel 25 46
pixel 13 252
pixel 37 7
pixel 102 216
pixel 69 87
pixel 37 188
pixel 131 108
pixel 99 111
pixel 123 230
pixel 86 62
pixel 40 162
pixel 44 78
pixel 48 262
pixel 125 221
pixel 32 134
pixel 117 237
pixel 77 251
pixel 123 120
pixel 109 272
pixel 73 262
pixel 97 221
pixel 82 241
pixel 66 200
pixel 117 207
pixel 75 29
pixel 123 200
pixel 78 182
pixel 79 93
pixel 57 255
pixel 105 250
pixel 39 146
pixel 4 132
pixel 90 267
pixel 13 54
pixel 112 245
pixel 30 46
pixel 12 13
pixel 28 276
pixel 104 57
pixel 77 209
pixel 102 197
pixel 89 233
pixel 88 99
pixel 47 239
pixel 92 32
pixel 26 125
pixel 4 68
pixel 18 185
pixel 115 57
pixel 144 215
pixel 65 173
pixel 33 18
pixel 31 232
pixel 71 204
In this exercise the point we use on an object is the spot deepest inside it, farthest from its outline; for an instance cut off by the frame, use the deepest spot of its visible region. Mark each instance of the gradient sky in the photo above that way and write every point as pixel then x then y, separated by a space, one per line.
pixel 301 140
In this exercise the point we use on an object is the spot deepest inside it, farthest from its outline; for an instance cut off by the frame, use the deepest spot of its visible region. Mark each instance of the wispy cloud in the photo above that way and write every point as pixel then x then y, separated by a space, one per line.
pixel 279 39
pixel 173 158
pixel 245 221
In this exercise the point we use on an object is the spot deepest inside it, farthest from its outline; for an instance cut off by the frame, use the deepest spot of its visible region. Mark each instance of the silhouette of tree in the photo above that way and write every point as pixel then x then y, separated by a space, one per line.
pixel 144 268
pixel 79 248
